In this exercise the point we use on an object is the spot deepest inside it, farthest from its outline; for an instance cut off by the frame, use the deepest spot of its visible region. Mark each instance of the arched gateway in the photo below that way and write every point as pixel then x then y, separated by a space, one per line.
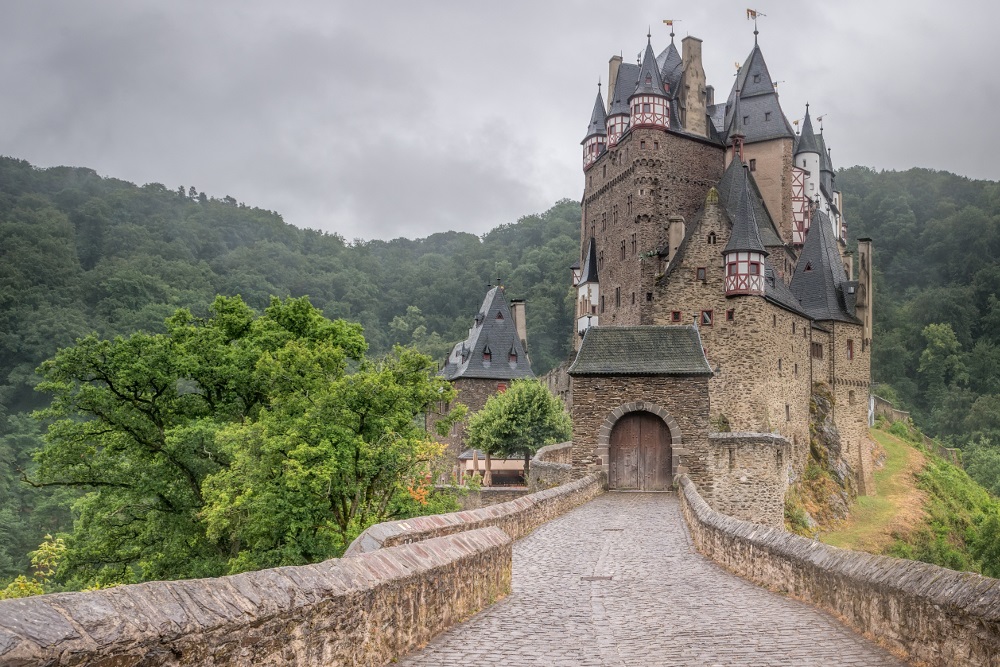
pixel 640 455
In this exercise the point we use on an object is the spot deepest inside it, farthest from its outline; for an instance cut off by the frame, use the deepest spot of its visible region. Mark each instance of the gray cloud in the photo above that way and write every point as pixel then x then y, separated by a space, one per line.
pixel 377 120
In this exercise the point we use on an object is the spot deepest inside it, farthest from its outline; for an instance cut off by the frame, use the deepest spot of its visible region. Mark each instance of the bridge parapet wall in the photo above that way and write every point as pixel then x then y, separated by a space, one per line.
pixel 517 517
pixel 354 611
pixel 551 466
pixel 929 613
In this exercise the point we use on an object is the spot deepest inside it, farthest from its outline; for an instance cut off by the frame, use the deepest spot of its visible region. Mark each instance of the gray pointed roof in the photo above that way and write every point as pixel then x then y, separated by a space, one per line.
pixel 492 329
pixel 649 80
pixel 628 77
pixel 671 67
pixel 758 102
pixel 819 277
pixel 641 350
pixel 589 272
pixel 745 235
pixel 731 188
pixel 597 126
pixel 825 163
pixel 777 292
pixel 807 142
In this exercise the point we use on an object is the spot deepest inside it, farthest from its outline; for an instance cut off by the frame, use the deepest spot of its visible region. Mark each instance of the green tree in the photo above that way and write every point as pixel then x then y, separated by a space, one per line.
pixel 519 421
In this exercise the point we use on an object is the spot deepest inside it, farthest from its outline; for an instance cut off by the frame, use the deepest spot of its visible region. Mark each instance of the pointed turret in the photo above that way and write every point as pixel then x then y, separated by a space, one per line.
pixel 588 291
pixel 596 141
pixel 820 282
pixel 671 67
pixel 735 181
pixel 808 143
pixel 760 111
pixel 650 104
pixel 744 253
pixel 627 75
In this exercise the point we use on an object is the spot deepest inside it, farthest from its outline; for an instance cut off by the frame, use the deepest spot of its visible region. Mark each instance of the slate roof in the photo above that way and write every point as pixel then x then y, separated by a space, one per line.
pixel 497 334
pixel 628 77
pixel 807 142
pixel 758 98
pixel 641 350
pixel 671 67
pixel 819 280
pixel 649 80
pixel 777 292
pixel 731 189
pixel 597 126
pixel 745 235
pixel 589 272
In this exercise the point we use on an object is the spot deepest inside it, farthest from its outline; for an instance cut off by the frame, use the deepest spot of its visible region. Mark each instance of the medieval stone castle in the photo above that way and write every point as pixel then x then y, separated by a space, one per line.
pixel 716 294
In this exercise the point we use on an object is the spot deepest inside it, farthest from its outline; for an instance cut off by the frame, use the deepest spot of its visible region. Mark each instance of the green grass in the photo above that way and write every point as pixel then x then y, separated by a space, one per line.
pixel 875 518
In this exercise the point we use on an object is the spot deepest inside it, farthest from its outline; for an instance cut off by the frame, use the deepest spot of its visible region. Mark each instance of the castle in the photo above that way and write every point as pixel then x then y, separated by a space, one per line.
pixel 715 290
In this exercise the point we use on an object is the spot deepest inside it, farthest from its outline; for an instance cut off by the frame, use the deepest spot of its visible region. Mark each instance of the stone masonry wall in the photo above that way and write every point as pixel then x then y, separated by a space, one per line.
pixel 517 517
pixel 486 496
pixel 354 611
pixel 934 615
pixel 773 175
pixel 472 392
pixel 685 399
pixel 551 466
pixel 748 476
pixel 662 174
pixel 851 384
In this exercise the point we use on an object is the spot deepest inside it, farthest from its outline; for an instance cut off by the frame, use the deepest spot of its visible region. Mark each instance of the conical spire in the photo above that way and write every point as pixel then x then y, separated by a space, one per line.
pixel 807 140
pixel 597 118
pixel 745 236
pixel 650 82
pixel 819 273
pixel 671 67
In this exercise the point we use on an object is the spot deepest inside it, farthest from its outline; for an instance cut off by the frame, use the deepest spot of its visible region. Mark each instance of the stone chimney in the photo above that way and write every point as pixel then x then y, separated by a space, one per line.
pixel 517 312
pixel 613 66
pixel 675 235
pixel 692 85
pixel 709 96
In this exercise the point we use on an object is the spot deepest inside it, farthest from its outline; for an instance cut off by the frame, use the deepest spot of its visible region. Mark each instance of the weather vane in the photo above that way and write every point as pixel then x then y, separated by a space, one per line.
pixel 754 14
pixel 670 24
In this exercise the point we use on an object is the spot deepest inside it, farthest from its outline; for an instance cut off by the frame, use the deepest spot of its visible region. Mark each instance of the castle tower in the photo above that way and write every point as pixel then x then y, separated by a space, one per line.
pixel 588 293
pixel 595 143
pixel 649 103
pixel 744 254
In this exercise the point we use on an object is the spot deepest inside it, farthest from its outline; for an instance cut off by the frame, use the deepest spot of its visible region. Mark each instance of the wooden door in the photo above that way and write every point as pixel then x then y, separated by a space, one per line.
pixel 640 456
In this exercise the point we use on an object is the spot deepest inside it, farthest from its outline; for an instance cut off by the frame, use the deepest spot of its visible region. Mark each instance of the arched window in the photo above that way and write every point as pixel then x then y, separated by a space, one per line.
pixel 711 238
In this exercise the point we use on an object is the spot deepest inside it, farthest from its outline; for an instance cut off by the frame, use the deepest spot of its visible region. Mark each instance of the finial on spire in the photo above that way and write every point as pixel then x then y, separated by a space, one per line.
pixel 649 34
pixel 754 14
pixel 820 119
pixel 670 23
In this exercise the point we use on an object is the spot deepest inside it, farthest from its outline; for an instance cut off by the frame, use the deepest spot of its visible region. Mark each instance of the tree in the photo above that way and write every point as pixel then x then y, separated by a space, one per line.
pixel 519 421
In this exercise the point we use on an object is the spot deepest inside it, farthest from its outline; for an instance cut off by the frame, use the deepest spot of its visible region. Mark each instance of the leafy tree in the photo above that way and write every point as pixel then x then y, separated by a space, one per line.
pixel 519 421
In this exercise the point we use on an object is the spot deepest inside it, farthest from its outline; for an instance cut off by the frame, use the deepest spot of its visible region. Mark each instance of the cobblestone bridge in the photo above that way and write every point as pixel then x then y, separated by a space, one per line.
pixel 617 582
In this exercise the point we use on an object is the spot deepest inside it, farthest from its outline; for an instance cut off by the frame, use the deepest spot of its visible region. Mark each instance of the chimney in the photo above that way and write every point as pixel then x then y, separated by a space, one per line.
pixel 517 312
pixel 709 96
pixel 613 66
pixel 693 87
pixel 675 235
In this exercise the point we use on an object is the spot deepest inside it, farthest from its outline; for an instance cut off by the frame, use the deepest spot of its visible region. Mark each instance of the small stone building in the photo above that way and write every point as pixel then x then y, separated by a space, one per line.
pixel 487 361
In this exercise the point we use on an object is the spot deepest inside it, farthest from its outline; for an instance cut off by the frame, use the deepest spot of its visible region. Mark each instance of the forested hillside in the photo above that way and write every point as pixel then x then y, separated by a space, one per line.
pixel 80 254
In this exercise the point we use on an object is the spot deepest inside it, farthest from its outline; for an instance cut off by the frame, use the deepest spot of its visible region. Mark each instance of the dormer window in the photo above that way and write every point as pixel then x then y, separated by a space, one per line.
pixel 809 266
pixel 512 356
pixel 756 78
pixel 487 355
pixel 499 316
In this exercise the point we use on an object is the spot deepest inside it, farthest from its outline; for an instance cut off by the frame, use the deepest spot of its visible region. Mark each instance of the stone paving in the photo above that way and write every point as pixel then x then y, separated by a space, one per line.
pixel 664 603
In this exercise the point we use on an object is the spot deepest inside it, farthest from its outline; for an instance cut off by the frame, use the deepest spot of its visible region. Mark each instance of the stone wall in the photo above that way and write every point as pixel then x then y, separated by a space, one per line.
pixel 355 611
pixel 851 381
pixel 551 466
pixel 748 476
pixel 631 191
pixel 473 393
pixel 517 517
pixel 560 384
pixel 598 401
pixel 486 496
pixel 932 614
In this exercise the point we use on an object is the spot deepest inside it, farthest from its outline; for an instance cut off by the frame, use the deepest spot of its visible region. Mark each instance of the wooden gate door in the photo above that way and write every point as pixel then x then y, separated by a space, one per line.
pixel 640 456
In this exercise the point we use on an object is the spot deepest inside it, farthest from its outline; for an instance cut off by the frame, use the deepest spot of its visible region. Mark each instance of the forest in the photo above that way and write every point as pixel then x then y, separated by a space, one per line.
pixel 82 254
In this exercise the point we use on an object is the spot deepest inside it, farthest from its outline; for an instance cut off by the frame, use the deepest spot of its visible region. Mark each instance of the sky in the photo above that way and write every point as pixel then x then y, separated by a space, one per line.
pixel 375 120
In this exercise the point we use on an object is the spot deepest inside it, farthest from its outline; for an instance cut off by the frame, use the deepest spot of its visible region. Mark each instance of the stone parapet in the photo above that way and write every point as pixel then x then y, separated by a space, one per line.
pixel 488 495
pixel 551 466
pixel 354 611
pixel 517 517
pixel 933 615
pixel 748 476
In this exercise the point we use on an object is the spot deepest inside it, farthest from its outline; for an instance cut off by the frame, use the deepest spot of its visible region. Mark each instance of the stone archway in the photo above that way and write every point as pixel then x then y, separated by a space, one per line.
pixel 670 438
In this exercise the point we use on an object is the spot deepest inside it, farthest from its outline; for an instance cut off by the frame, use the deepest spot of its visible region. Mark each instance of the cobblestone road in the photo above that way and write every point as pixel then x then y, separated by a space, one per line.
pixel 664 605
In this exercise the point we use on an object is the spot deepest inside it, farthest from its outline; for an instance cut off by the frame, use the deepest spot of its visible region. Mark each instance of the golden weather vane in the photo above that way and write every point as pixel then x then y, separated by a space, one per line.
pixel 754 14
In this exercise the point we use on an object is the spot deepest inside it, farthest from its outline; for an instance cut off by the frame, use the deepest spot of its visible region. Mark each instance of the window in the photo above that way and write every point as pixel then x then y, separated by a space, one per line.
pixel 795 370
pixel 850 397
pixel 754 268
pixel 645 105
pixel 767 115
pixel 604 221
pixel 633 298
pixel 675 316
pixel 711 238
pixel 593 230
pixel 779 364
pixel 635 244
pixel 700 273
pixel 809 266
pixel 753 164
pixel 623 249
pixel 850 349
pixel 614 215
pixel 512 357
pixel 656 145
pixel 499 317
pixel 774 320
pixel 487 354
pixel 746 119
pixel 642 144
pixel 788 412
pixel 501 387
pixel 604 171
pixel 649 296
pixel 816 349
pixel 730 315
pixel 602 303
pixel 628 205
pixel 793 327
pixel 706 318
pixel 600 260
pixel 731 269
pixel 756 78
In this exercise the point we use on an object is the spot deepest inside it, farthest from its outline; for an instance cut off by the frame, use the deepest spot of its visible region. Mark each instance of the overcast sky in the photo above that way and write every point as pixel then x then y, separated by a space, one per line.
pixel 404 118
